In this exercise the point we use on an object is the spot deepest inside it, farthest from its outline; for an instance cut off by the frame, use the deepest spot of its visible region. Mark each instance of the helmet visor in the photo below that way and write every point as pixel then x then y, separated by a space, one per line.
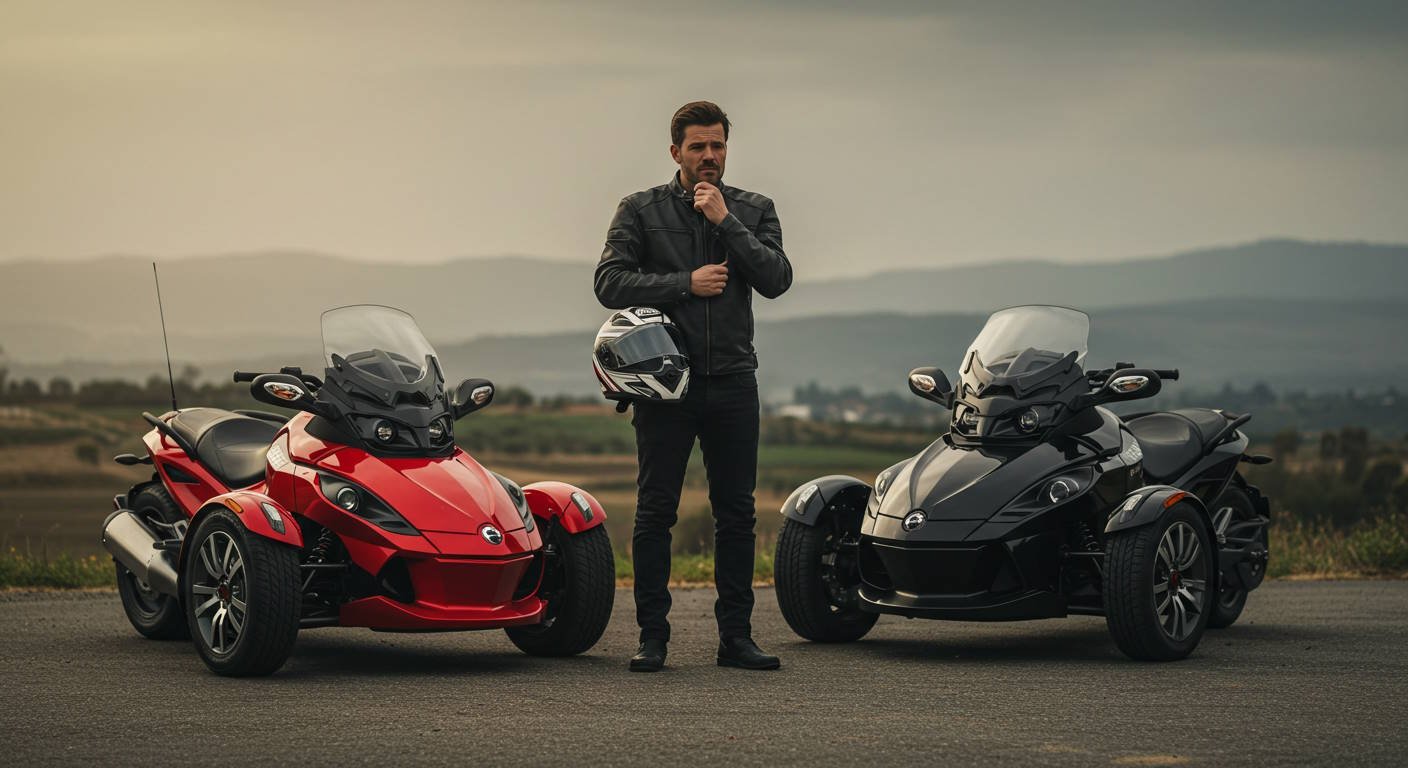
pixel 645 343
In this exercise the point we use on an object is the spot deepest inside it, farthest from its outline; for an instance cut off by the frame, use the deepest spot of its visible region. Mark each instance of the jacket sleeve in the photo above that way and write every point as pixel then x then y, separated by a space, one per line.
pixel 759 258
pixel 619 281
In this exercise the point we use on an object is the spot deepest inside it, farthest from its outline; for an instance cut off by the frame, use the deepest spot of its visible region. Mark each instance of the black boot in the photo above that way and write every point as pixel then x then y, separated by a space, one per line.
pixel 650 657
pixel 743 653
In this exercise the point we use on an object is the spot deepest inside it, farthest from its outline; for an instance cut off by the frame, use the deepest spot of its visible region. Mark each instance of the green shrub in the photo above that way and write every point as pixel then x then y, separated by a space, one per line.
pixel 62 572
pixel 1377 547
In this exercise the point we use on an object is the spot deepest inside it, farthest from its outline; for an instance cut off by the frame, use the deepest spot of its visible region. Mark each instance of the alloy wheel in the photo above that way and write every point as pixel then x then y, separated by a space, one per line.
pixel 1180 581
pixel 221 587
pixel 839 573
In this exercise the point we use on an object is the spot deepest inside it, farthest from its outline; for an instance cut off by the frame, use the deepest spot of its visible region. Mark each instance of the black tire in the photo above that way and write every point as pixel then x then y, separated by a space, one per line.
pixel 265 581
pixel 1132 571
pixel 1227 608
pixel 155 616
pixel 580 591
pixel 808 605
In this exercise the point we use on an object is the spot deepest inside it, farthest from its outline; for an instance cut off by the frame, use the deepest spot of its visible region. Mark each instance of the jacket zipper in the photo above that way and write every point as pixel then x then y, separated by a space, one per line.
pixel 708 330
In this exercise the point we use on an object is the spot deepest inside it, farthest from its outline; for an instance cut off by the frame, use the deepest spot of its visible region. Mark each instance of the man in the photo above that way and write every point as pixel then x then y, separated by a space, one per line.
pixel 697 249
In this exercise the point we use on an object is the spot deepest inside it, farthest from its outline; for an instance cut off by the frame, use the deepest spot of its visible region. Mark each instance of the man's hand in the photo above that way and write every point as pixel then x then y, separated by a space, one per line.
pixel 708 280
pixel 709 201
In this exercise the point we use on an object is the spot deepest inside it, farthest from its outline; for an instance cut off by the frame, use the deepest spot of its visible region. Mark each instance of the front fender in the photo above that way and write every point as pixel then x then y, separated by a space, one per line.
pixel 575 509
pixel 1147 505
pixel 246 506
pixel 249 507
pixel 807 503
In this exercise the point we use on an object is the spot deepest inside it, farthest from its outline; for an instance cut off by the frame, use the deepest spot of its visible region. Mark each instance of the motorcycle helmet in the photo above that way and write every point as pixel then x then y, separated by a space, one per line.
pixel 639 355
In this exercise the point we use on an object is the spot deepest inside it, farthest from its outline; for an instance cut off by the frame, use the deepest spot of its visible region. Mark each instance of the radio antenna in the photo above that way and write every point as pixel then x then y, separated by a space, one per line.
pixel 170 377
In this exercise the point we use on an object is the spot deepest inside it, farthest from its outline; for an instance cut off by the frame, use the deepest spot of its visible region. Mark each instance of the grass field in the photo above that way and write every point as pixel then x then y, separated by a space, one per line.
pixel 57 481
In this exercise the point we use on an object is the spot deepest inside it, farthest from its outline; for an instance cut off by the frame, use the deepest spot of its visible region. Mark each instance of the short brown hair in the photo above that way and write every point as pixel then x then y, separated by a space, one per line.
pixel 696 113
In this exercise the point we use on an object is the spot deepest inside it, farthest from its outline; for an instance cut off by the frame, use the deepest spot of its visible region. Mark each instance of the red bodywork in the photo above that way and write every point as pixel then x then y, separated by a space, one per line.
pixel 460 580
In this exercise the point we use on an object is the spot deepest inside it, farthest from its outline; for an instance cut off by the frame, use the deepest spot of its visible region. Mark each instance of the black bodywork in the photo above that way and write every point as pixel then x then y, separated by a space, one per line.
pixel 971 528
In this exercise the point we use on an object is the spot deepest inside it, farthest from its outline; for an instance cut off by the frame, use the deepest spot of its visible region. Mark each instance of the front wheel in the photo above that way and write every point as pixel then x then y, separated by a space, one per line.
pixel 580 588
pixel 1157 600
pixel 242 597
pixel 817 580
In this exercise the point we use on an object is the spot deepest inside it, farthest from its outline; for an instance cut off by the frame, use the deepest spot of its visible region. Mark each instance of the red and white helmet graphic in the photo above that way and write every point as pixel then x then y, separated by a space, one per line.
pixel 639 355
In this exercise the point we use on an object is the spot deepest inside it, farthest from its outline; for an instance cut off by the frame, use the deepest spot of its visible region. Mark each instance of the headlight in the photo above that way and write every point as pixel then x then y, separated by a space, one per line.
pixel 385 431
pixel 1067 486
pixel 348 498
pixel 519 500
pixel 439 430
pixel 1061 489
pixel 363 504
pixel 1029 420
pixel 882 482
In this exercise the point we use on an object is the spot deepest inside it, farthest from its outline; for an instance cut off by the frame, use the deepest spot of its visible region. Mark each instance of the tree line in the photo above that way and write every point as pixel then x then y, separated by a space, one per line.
pixel 190 391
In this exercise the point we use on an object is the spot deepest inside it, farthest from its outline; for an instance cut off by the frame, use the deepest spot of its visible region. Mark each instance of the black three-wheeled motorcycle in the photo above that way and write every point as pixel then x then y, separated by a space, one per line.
pixel 1037 503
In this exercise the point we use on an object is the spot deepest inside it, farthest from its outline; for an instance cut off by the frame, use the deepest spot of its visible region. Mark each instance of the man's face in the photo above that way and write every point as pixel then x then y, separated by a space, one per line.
pixel 701 155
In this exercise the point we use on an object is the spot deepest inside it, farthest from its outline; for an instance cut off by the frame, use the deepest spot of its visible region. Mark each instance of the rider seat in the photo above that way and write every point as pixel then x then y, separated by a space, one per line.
pixel 1173 441
pixel 231 446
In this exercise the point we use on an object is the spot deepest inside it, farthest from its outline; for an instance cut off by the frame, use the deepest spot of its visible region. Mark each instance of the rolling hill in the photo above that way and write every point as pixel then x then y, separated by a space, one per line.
pixel 245 305
pixel 1288 344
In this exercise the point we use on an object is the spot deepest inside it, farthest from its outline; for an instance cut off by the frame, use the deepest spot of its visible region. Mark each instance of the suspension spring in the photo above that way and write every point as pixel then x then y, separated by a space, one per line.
pixel 1088 542
pixel 316 557
pixel 321 549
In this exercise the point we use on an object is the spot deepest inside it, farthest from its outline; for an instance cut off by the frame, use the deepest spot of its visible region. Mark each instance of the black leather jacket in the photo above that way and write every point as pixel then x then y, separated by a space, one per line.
pixel 657 239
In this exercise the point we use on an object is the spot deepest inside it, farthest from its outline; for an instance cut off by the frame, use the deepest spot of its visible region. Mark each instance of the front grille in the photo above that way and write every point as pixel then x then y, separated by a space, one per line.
pixel 872 568
pixel 395 581
pixel 938 570
pixel 531 577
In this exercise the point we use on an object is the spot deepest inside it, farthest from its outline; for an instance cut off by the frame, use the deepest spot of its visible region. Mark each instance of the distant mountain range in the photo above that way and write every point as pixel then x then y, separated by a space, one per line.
pixel 1290 344
pixel 93 314
pixel 1268 269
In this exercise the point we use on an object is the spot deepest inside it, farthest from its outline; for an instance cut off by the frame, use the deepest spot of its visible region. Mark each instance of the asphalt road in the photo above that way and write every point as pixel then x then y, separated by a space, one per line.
pixel 1316 673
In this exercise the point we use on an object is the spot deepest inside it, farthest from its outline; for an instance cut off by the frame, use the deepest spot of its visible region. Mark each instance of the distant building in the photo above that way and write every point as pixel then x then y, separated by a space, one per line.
pixel 795 410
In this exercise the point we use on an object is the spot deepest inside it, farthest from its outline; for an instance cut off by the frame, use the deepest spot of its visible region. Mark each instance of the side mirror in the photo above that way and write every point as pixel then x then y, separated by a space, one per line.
pixel 283 390
pixel 470 396
pixel 1132 383
pixel 931 384
pixel 1123 384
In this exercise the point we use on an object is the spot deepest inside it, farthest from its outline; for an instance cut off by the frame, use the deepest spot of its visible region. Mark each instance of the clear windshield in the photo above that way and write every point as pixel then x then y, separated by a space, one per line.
pixel 1024 340
pixel 376 340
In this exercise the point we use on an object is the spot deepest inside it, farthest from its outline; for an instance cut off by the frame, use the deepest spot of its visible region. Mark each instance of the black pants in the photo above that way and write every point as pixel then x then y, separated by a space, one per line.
pixel 722 412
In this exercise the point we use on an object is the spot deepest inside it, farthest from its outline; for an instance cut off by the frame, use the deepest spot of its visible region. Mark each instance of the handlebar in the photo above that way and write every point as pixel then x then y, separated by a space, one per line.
pixel 1170 374
pixel 245 376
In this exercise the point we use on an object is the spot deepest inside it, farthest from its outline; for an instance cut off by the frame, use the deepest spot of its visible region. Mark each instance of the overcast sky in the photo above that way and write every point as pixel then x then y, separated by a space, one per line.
pixel 890 134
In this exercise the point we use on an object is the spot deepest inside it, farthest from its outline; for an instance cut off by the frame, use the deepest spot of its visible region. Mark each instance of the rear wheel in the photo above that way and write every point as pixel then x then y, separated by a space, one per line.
pixel 818 581
pixel 154 615
pixel 1157 600
pixel 580 588
pixel 241 595
pixel 1234 506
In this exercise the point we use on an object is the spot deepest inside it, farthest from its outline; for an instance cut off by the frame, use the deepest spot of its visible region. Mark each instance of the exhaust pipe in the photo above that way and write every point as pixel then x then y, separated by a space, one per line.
pixel 133 545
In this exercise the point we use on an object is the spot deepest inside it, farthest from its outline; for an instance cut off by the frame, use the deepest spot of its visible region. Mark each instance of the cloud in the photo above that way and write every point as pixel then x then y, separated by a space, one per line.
pixel 891 134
